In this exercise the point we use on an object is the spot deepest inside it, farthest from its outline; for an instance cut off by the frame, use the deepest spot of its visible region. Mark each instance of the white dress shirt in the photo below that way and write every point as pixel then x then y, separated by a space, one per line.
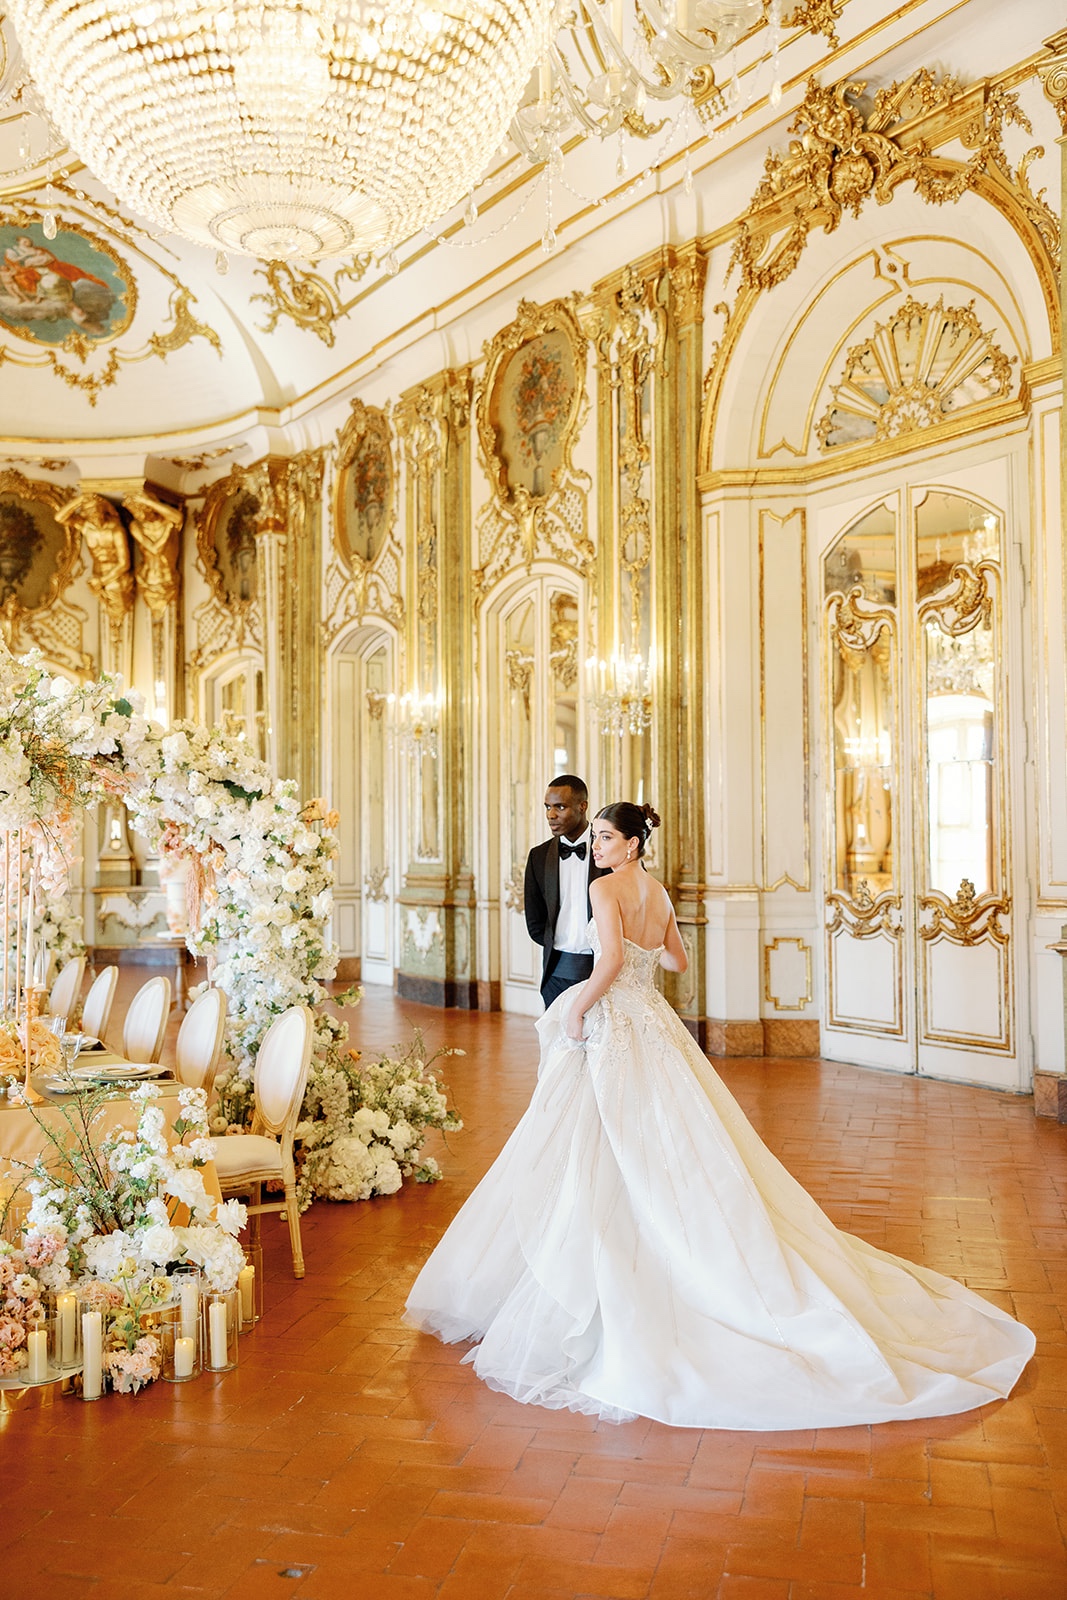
pixel 572 924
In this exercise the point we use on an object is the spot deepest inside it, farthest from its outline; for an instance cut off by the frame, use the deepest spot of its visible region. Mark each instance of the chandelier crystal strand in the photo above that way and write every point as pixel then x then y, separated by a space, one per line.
pixel 295 130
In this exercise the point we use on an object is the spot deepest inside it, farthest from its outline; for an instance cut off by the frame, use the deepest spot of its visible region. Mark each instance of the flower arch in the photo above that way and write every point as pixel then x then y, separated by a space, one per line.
pixel 261 872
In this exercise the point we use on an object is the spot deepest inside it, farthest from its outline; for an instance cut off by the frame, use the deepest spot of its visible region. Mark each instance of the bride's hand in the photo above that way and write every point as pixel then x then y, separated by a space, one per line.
pixel 574 1027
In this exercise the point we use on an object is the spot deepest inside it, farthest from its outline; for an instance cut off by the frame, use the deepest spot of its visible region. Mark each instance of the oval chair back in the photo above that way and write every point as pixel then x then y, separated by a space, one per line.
pixel 67 987
pixel 200 1041
pixel 96 1012
pixel 281 1071
pixel 146 1021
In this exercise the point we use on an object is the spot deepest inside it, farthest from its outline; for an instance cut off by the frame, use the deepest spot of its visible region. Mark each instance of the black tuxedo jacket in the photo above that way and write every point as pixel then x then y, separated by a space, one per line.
pixel 541 896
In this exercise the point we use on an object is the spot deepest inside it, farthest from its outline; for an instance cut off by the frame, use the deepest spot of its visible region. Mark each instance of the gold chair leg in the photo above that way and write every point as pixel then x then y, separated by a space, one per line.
pixel 292 1214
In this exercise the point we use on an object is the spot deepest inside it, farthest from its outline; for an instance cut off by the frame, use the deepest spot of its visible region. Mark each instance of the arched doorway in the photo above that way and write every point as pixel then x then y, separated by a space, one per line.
pixel 923 967
pixel 531 692
pixel 361 785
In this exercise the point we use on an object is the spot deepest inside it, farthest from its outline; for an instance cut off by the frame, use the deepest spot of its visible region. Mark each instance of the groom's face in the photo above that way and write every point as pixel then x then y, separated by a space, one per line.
pixel 565 813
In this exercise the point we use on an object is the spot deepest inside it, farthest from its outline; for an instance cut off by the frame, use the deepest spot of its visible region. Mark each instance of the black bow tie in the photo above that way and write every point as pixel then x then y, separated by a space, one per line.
pixel 567 850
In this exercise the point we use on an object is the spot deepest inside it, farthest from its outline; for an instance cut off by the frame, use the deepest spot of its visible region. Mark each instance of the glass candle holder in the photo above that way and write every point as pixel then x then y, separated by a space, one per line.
pixel 179 1352
pixel 65 1345
pixel 186 1287
pixel 221 1312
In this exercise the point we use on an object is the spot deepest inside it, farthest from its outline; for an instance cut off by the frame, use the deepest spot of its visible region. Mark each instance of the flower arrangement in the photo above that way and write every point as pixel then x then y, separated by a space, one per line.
pixel 365 1122
pixel 104 1219
pixel 20 1308
pixel 45 1054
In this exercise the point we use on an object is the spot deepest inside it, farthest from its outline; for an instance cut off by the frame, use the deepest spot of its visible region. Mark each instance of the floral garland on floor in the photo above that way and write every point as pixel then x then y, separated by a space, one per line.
pixel 261 879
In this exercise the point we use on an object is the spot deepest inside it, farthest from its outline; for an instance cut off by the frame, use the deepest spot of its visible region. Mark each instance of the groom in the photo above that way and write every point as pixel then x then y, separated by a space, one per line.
pixel 558 875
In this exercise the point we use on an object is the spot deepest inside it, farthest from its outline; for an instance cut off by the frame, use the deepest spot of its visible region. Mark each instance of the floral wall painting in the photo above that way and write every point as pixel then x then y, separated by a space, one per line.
pixel 226 540
pixel 363 511
pixel 71 285
pixel 235 547
pixel 530 401
pixel 36 552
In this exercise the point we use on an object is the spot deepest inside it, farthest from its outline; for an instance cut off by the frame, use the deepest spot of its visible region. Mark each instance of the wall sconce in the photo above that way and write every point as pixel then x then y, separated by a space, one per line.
pixel 414 723
pixel 621 694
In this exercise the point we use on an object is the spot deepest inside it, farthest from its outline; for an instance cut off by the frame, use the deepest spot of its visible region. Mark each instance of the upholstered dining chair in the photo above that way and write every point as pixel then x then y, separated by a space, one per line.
pixel 146 1021
pixel 66 988
pixel 245 1161
pixel 200 1041
pixel 96 1012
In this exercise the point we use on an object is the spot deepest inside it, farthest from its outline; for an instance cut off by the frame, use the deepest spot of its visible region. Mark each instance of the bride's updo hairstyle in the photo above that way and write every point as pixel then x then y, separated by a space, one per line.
pixel 632 821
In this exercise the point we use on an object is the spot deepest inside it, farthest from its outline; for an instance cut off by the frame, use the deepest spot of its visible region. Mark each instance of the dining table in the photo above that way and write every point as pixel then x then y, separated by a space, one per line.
pixel 25 1130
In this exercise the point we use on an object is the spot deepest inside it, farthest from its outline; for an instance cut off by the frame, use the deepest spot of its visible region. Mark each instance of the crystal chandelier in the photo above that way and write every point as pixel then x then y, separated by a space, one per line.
pixel 608 59
pixel 295 128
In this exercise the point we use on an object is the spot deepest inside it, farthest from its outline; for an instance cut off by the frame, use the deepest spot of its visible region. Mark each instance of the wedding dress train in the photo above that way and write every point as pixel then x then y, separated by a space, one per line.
pixel 637 1250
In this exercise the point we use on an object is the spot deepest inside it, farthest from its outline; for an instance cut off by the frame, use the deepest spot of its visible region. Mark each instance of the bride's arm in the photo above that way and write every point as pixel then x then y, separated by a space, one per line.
pixel 608 919
pixel 674 958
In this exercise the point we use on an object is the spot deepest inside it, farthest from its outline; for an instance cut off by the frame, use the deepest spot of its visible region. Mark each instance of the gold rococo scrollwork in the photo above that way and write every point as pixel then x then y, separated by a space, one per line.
pixel 863 915
pixel 970 605
pixel 53 624
pixel 1053 75
pixel 547 518
pixel 368 580
pixel 856 625
pixel 818 16
pixel 899 379
pixel 306 298
pixel 966 920
pixel 225 620
pixel 851 151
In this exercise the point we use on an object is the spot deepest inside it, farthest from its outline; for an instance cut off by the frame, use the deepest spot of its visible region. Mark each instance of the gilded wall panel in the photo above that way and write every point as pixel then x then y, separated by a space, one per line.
pixel 39 559
pixel 530 408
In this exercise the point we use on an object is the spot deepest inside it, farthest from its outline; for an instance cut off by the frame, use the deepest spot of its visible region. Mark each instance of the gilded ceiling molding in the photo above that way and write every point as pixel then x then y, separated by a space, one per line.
pixel 530 408
pixel 818 16
pixel 75 294
pixel 363 574
pixel 847 155
pixel 39 558
pixel 1053 75
pixel 307 298
pixel 923 365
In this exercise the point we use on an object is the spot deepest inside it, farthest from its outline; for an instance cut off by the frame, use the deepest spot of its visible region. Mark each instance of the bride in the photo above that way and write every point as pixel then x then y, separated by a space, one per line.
pixel 636 1249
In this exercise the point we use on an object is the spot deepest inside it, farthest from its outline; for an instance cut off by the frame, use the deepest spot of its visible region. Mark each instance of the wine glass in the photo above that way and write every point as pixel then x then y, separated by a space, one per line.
pixel 56 1025
pixel 70 1044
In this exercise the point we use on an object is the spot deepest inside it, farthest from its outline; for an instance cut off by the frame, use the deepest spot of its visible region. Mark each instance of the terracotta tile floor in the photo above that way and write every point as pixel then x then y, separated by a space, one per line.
pixel 349 1459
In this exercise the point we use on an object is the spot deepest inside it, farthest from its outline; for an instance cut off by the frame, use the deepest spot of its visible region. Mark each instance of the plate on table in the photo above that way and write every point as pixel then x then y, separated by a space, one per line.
pixel 117 1071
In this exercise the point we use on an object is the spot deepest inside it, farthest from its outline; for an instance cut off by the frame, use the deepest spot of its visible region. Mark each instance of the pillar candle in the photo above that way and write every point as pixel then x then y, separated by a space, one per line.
pixel 92 1355
pixel 246 1282
pixel 66 1310
pixel 189 1298
pixel 184 1355
pixel 37 1346
pixel 216 1322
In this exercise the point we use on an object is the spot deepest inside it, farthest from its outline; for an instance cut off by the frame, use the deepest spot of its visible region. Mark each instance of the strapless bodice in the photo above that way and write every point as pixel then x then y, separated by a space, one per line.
pixel 638 964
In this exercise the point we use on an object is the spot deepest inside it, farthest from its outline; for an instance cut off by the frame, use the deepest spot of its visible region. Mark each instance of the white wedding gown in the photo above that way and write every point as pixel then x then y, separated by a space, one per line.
pixel 636 1249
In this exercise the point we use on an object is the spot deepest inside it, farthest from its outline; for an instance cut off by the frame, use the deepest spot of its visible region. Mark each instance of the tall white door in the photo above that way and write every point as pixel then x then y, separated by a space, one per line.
pixel 534 702
pixel 921 954
pixel 362 790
